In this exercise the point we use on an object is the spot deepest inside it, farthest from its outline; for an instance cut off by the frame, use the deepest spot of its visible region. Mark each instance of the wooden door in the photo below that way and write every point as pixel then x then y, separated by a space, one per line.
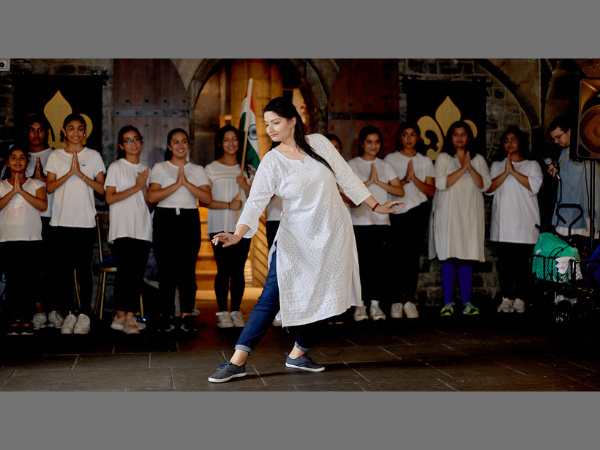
pixel 149 95
pixel 365 92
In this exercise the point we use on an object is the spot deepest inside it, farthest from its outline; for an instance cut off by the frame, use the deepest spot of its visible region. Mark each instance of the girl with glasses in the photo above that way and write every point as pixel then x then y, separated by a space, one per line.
pixel 130 228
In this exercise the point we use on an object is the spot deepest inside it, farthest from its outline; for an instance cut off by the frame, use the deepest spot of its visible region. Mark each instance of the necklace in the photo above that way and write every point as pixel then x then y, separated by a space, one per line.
pixel 411 155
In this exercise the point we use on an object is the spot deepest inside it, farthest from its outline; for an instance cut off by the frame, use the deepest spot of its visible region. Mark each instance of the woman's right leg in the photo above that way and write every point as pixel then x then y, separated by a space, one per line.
pixel 449 274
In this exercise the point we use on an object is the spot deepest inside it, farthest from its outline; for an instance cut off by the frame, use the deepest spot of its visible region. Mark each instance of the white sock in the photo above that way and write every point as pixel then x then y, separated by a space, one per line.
pixel 374 302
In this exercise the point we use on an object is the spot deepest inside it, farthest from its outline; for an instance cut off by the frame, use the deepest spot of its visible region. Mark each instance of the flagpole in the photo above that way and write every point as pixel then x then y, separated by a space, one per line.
pixel 246 122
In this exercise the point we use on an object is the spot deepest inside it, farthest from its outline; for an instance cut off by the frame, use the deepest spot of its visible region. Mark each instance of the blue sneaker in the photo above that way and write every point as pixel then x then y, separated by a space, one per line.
pixel 226 372
pixel 447 310
pixel 470 310
pixel 304 362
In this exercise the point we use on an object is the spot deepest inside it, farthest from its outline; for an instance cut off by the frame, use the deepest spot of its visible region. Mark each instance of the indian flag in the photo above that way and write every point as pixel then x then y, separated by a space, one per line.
pixel 248 122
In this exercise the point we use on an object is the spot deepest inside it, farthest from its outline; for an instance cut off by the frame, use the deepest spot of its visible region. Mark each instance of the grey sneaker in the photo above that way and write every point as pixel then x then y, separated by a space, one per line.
pixel 226 372
pixel 303 362
pixel 55 319
pixel 237 319
pixel 39 321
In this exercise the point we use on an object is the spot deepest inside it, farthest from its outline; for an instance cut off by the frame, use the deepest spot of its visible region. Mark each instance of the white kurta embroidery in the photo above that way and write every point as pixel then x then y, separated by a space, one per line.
pixel 317 268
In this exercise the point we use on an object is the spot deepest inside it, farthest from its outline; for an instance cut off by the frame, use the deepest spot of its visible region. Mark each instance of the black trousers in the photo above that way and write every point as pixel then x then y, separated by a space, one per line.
pixel 408 231
pixel 514 269
pixel 73 248
pixel 176 240
pixel 373 246
pixel 132 256
pixel 230 269
pixel 22 269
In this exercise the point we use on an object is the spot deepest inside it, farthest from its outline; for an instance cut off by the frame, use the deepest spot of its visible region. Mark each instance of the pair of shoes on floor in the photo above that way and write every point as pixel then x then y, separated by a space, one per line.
pixel 229 370
pixel 55 320
pixel 20 327
pixel 409 308
pixel 230 320
pixel 39 321
pixel 76 325
pixel 128 324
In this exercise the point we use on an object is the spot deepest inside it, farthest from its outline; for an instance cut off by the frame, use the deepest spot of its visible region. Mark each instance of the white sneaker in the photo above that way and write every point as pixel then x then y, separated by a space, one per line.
pixel 506 305
pixel 376 313
pixel 224 320
pixel 238 320
pixel 131 326
pixel 55 319
pixel 39 321
pixel 118 324
pixel 518 306
pixel 360 313
pixel 410 309
pixel 397 311
pixel 68 324
pixel 83 325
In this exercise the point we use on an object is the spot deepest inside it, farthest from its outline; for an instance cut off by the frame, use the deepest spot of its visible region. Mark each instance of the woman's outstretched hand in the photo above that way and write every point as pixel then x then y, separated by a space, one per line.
pixel 226 238
pixel 386 208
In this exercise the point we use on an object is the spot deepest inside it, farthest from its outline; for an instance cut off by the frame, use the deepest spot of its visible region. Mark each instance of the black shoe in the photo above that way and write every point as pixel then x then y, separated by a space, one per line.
pixel 188 325
pixel 14 329
pixel 26 328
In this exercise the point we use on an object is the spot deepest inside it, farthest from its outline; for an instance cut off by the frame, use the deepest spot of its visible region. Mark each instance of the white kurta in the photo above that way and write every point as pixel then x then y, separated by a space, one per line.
pixel 317 265
pixel 457 224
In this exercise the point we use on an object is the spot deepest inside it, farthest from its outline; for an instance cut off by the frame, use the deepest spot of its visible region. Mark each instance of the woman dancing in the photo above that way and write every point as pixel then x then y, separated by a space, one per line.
pixel 313 273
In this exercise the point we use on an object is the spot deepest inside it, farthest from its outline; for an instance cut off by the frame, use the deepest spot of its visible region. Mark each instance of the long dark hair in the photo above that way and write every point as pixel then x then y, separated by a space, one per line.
pixel 369 129
pixel 122 131
pixel 219 145
pixel 448 147
pixel 286 109
pixel 70 118
pixel 168 152
pixel 524 150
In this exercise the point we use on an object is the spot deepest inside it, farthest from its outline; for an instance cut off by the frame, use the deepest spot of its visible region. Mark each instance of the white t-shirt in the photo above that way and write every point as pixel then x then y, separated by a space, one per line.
pixel 363 215
pixel 515 210
pixel 30 171
pixel 165 173
pixel 74 204
pixel 130 217
pixel 224 188
pixel 19 220
pixel 422 167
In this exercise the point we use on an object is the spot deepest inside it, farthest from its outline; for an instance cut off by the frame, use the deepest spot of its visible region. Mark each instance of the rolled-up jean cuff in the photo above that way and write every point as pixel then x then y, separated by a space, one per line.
pixel 299 347
pixel 243 348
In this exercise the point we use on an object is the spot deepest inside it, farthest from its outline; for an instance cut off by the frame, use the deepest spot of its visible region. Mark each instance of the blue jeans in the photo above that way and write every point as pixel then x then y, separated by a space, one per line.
pixel 265 311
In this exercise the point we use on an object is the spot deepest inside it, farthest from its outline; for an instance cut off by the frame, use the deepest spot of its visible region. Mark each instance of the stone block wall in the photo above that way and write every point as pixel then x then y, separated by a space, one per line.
pixel 502 110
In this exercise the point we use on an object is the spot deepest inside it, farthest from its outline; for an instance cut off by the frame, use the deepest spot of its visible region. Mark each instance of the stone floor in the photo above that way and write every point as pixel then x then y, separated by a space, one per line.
pixel 490 352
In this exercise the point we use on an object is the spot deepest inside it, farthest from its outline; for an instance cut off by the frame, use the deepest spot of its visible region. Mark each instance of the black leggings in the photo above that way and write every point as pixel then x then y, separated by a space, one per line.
pixel 176 240
pixel 514 269
pixel 132 256
pixel 372 244
pixel 409 230
pixel 230 266
pixel 22 269
pixel 73 248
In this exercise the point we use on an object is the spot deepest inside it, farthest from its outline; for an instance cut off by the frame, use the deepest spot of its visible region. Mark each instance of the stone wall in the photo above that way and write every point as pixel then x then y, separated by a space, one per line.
pixel 502 110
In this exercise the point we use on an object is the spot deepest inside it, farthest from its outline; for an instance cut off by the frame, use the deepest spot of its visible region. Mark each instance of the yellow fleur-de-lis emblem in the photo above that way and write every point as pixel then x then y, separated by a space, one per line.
pixel 55 111
pixel 446 114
